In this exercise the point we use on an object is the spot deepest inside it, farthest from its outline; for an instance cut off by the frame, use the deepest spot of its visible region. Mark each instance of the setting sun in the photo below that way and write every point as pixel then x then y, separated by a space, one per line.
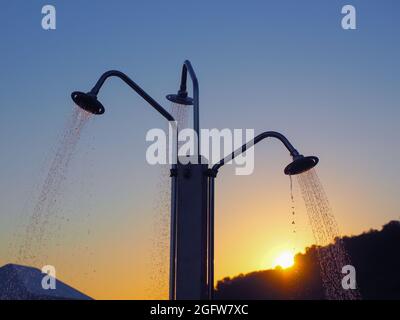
pixel 285 260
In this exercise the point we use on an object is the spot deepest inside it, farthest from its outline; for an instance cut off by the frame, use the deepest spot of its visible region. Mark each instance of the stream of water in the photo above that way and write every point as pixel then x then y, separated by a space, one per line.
pixel 159 269
pixel 293 217
pixel 331 251
pixel 32 250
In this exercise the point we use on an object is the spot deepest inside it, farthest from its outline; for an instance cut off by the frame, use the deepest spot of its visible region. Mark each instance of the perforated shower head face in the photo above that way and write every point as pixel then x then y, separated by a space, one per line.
pixel 87 102
pixel 180 99
pixel 301 164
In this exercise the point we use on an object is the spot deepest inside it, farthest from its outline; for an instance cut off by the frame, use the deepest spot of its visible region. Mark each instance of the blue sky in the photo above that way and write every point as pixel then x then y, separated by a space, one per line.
pixel 268 65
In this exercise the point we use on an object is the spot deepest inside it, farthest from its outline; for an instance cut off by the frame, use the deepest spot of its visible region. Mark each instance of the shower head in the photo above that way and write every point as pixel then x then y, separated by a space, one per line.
pixel 88 102
pixel 301 164
pixel 180 98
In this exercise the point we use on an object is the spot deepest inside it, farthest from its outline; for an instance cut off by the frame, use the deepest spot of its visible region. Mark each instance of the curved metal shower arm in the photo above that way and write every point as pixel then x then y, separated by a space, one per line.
pixel 257 139
pixel 135 87
pixel 187 68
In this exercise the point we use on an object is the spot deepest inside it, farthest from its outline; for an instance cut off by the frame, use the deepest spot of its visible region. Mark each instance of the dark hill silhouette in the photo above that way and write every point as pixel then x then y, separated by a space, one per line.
pixel 24 283
pixel 374 254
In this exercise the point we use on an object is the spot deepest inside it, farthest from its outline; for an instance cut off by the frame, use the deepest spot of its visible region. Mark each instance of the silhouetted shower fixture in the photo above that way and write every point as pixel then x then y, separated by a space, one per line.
pixel 299 165
pixel 182 97
pixel 192 190
pixel 88 101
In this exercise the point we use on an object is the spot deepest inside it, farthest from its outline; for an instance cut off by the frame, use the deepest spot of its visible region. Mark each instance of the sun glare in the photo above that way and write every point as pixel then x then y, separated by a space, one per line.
pixel 285 260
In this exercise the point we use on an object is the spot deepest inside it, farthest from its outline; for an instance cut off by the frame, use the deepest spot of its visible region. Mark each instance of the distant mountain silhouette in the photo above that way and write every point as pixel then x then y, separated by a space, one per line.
pixel 374 254
pixel 25 283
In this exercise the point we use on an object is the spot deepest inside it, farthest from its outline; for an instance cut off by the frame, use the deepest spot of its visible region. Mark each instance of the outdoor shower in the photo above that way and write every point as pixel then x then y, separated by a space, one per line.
pixel 299 165
pixel 192 190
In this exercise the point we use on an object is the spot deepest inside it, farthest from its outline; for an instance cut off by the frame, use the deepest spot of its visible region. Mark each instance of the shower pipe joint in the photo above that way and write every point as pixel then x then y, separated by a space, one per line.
pixel 212 173
pixel 173 172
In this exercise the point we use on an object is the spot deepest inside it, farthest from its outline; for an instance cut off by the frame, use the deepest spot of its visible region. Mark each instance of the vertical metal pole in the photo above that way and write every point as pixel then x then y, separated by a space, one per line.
pixel 196 116
pixel 191 231
pixel 172 259
pixel 211 238
pixel 187 67
pixel 174 215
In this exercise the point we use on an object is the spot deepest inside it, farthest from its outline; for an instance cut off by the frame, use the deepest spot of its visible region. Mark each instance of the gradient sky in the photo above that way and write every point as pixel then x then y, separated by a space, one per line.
pixel 268 65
